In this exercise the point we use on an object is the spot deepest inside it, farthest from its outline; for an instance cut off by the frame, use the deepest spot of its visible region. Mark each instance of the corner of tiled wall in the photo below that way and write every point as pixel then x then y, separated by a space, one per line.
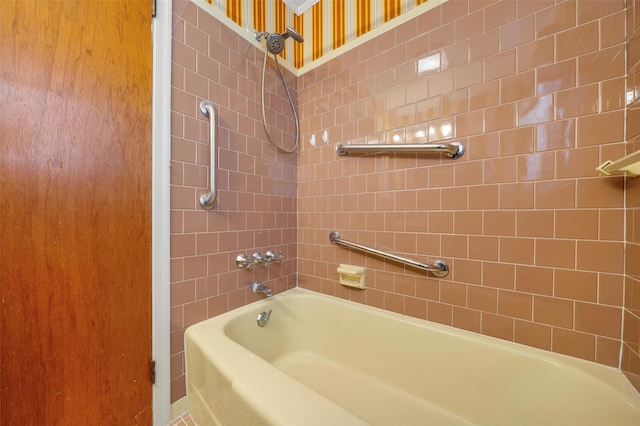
pixel 534 89
pixel 631 333
pixel 534 237
pixel 255 209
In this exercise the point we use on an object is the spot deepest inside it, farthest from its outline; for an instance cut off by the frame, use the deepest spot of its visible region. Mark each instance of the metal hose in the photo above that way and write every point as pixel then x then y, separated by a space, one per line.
pixel 264 115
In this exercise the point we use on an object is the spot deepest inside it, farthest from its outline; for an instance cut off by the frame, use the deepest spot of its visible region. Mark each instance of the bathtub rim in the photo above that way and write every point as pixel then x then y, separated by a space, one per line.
pixel 511 346
pixel 258 375
pixel 609 376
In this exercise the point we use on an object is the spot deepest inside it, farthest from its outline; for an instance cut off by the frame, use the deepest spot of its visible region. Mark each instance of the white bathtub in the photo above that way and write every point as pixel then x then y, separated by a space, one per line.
pixel 324 361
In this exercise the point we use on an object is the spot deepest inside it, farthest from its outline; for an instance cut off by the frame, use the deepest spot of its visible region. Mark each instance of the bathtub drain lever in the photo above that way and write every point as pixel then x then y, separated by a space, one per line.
pixel 263 318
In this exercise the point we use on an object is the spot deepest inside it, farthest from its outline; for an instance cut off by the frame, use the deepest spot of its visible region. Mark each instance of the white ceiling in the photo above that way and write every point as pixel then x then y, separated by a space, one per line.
pixel 299 6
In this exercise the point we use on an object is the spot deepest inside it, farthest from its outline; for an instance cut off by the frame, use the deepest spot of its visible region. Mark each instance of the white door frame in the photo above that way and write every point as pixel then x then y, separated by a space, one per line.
pixel 160 254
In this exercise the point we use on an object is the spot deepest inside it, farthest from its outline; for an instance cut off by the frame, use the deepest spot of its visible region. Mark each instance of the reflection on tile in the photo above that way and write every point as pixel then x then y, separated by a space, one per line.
pixel 555 135
pixel 429 64
pixel 417 133
pixel 579 101
pixel 395 136
pixel 440 129
pixel 536 110
pixel 539 166
pixel 561 75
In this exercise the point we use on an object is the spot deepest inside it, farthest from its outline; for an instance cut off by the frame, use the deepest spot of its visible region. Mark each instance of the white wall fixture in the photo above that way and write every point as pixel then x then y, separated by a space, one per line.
pixel 161 136
pixel 351 276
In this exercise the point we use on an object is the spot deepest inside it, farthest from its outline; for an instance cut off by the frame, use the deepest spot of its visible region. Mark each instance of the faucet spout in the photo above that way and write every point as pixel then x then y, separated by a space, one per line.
pixel 257 287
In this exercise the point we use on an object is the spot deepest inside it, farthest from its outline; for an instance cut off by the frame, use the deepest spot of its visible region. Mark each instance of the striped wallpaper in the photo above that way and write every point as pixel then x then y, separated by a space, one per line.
pixel 326 26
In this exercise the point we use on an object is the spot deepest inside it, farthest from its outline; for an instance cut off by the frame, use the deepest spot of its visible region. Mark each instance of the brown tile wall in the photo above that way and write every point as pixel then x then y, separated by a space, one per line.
pixel 535 239
pixel 255 209
pixel 631 331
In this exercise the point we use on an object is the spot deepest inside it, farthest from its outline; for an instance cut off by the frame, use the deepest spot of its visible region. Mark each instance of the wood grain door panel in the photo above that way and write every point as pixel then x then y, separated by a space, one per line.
pixel 75 212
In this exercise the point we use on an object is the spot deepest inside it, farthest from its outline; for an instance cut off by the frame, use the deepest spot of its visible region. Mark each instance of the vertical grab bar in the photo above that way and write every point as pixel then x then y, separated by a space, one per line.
pixel 207 200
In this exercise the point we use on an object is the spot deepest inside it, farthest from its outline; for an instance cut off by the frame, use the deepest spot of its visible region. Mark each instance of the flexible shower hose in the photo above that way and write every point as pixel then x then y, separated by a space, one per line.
pixel 293 108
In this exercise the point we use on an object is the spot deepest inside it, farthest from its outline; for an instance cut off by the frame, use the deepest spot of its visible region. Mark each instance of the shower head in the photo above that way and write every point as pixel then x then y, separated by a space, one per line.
pixel 291 32
pixel 275 41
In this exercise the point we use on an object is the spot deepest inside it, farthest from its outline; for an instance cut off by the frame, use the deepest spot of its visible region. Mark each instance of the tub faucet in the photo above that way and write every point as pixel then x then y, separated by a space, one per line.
pixel 258 287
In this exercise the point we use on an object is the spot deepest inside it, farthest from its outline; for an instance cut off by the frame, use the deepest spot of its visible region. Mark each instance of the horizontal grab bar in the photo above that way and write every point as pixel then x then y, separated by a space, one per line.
pixel 438 268
pixel 452 149
pixel 207 200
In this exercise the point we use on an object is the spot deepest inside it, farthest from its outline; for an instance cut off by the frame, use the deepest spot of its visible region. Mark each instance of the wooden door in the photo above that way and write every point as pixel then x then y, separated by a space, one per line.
pixel 75 212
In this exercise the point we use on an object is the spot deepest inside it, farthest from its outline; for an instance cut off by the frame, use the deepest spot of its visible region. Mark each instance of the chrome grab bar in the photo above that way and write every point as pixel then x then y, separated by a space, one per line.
pixel 207 200
pixel 452 149
pixel 439 268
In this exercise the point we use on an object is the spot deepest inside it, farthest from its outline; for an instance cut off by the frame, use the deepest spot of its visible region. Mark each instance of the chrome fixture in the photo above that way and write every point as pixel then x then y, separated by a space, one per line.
pixel 263 318
pixel 275 45
pixel 438 268
pixel 270 257
pixel 452 149
pixel 257 287
pixel 207 200
pixel 243 261
pixel 275 41
pixel 256 259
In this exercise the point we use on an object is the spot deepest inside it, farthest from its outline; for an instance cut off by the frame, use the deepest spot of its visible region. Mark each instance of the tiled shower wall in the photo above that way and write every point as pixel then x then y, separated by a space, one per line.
pixel 535 239
pixel 255 209
pixel 631 332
